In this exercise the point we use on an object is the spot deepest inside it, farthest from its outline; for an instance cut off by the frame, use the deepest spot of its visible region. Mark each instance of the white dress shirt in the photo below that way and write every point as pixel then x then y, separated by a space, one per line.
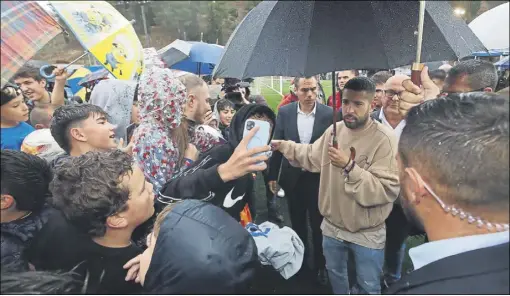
pixel 398 129
pixel 305 124
pixel 437 250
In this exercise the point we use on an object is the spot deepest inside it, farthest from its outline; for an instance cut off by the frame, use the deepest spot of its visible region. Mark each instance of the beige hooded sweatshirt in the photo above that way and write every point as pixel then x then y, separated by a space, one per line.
pixel 356 206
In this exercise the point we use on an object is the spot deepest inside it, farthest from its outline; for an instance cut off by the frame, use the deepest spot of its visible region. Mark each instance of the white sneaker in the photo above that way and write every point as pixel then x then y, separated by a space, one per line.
pixel 281 193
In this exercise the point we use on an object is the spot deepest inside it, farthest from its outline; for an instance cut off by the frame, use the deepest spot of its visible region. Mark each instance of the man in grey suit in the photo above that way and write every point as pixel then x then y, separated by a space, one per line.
pixel 303 122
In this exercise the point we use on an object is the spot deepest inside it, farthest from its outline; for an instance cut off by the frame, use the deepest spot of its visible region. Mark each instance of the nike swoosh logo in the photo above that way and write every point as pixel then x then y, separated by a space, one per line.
pixel 229 202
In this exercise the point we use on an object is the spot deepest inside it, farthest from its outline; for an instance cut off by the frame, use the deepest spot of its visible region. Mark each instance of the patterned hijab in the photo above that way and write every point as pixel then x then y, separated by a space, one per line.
pixel 115 97
pixel 161 97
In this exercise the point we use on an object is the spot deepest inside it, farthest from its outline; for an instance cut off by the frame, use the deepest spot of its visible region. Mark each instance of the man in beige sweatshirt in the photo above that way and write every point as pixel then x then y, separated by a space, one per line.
pixel 355 196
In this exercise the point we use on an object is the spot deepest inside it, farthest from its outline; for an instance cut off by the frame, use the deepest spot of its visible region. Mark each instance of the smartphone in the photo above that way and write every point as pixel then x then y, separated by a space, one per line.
pixel 262 136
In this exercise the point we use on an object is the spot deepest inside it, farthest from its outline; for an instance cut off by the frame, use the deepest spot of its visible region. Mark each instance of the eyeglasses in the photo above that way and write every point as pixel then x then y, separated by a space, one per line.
pixel 463 215
pixel 390 93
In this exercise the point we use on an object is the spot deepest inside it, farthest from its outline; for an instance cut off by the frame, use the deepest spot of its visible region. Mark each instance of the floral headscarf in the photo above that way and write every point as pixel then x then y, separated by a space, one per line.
pixel 115 97
pixel 161 97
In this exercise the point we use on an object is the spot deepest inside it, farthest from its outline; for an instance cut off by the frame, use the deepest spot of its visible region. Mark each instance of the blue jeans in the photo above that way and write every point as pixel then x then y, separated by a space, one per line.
pixel 368 262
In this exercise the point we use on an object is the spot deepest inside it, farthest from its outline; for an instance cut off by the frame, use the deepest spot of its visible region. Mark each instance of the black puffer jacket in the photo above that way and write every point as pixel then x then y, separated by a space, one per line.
pixel 202 181
pixel 17 236
pixel 200 249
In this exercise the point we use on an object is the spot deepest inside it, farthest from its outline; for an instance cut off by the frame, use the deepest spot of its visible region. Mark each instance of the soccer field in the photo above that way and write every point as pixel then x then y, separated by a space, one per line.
pixel 273 98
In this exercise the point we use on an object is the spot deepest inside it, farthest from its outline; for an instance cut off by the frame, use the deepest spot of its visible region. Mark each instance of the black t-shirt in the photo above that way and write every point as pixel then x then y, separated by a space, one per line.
pixel 60 246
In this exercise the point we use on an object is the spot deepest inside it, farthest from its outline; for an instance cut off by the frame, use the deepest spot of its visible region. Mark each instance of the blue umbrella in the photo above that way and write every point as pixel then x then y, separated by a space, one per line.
pixel 488 53
pixel 99 74
pixel 502 64
pixel 194 57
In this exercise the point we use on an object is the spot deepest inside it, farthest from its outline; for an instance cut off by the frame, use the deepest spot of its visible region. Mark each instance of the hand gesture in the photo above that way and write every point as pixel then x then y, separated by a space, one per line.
pixel 133 267
pixel 276 145
pixel 61 75
pixel 191 152
pixel 338 157
pixel 414 95
pixel 273 186
pixel 128 149
pixel 244 161
pixel 208 117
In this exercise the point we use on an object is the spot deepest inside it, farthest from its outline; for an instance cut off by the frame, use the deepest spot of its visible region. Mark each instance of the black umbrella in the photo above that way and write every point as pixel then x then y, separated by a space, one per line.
pixel 294 38
pixel 304 38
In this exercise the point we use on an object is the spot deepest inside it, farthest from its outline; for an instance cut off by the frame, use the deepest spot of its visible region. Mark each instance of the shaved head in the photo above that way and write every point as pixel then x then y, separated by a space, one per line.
pixel 395 81
pixel 392 88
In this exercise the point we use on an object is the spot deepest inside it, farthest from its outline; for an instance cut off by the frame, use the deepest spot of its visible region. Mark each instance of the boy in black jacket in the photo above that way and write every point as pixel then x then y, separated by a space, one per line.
pixel 222 175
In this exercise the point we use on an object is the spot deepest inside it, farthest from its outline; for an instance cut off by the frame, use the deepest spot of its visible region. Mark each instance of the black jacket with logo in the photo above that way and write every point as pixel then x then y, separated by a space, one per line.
pixel 202 181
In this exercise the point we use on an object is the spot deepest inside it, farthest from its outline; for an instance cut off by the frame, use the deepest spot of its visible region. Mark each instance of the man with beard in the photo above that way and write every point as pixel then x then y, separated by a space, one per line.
pixel 453 163
pixel 356 192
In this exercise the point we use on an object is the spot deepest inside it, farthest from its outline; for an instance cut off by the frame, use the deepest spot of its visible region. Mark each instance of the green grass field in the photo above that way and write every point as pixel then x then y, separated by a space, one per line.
pixel 273 98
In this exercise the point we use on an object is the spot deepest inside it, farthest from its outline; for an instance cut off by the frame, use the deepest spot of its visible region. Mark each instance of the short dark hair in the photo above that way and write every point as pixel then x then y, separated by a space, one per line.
pixel 223 104
pixel 461 142
pixel 28 72
pixel 480 74
pixel 360 83
pixel 381 77
pixel 298 78
pixel 26 178
pixel 437 74
pixel 66 117
pixel 87 188
pixel 40 282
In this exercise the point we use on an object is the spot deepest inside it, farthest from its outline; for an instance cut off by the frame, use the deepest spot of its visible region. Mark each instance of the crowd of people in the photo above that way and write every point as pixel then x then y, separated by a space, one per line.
pixel 148 186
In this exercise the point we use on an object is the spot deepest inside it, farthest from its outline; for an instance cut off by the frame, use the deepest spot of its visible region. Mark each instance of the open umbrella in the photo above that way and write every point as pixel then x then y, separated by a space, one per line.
pixel 492 27
pixel 293 38
pixel 502 64
pixel 26 28
pixel 190 56
pixel 93 77
pixel 105 34
pixel 300 38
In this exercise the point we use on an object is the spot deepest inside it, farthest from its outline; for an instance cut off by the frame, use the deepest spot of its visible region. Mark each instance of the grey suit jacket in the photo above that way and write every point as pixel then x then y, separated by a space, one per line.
pixel 286 129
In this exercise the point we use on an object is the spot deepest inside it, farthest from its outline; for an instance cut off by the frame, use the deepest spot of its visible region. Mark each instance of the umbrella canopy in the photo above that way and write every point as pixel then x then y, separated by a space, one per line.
pixel 491 27
pixel 190 56
pixel 502 64
pixel 488 53
pixel 26 28
pixel 292 38
pixel 75 78
pixel 106 34
pixel 93 77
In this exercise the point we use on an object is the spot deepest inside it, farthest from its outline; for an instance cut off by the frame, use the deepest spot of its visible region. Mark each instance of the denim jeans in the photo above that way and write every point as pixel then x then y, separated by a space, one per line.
pixel 368 264
pixel 397 231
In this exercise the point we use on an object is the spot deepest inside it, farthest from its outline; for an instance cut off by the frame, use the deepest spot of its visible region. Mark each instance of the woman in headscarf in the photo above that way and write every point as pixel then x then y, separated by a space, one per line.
pixel 160 141
pixel 116 97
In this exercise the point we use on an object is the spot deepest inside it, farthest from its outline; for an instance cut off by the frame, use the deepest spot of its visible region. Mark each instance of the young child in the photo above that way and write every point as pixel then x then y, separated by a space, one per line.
pixel 224 111
pixel 14 113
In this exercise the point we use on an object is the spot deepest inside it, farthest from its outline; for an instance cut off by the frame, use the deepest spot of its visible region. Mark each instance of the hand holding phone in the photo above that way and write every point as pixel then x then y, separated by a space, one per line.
pixel 262 136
